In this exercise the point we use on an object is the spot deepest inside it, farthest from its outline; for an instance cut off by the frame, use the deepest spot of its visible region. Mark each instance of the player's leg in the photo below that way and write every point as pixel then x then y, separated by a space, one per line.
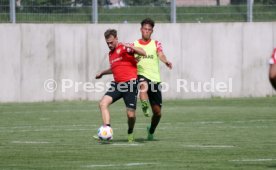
pixel 143 94
pixel 131 119
pixel 155 119
pixel 111 96
pixel 103 105
pixel 155 98
pixel 130 99
pixel 144 91
pixel 272 75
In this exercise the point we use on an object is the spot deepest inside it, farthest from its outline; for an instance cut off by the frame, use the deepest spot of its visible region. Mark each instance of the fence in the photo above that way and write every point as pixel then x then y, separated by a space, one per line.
pixel 130 11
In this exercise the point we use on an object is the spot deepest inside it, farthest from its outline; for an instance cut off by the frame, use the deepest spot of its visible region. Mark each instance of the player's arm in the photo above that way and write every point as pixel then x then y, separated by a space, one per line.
pixel 104 72
pixel 161 55
pixel 136 50
pixel 163 58
pixel 139 51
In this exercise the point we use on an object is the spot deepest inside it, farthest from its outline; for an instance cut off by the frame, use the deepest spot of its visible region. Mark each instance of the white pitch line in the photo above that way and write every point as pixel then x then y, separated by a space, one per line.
pixel 137 164
pixel 43 130
pixel 46 111
pixel 258 120
pixel 221 122
pixel 253 160
pixel 30 142
pixel 209 146
pixel 94 166
pixel 51 126
pixel 114 165
pixel 211 122
pixel 44 118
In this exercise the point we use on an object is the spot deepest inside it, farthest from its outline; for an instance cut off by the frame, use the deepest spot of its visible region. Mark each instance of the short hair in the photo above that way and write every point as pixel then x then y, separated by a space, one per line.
pixel 147 21
pixel 110 32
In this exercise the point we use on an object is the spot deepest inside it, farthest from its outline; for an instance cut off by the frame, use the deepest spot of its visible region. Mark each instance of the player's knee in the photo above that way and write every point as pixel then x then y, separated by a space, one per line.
pixel 143 87
pixel 131 113
pixel 131 117
pixel 157 111
pixel 272 76
pixel 272 72
pixel 158 114
pixel 103 104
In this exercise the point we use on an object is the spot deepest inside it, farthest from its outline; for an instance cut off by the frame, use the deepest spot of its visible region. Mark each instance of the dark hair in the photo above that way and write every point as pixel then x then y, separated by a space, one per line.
pixel 110 32
pixel 147 21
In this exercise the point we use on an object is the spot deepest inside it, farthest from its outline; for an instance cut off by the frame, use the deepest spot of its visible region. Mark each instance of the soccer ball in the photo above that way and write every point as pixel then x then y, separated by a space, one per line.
pixel 105 133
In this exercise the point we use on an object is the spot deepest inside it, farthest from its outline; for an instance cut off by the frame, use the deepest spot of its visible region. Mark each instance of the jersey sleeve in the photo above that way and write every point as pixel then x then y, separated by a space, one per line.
pixel 129 50
pixel 273 57
pixel 159 47
pixel 127 53
pixel 274 53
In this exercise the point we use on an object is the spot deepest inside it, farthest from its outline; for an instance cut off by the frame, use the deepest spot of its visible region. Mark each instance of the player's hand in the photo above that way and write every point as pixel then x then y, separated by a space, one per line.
pixel 137 58
pixel 127 45
pixel 98 76
pixel 169 64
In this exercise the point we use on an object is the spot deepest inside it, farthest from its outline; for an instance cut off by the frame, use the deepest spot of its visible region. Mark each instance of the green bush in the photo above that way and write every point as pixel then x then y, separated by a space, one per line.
pixel 143 2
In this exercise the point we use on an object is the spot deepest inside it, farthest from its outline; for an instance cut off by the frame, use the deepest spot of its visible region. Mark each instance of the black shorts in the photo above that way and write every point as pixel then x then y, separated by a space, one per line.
pixel 126 90
pixel 154 91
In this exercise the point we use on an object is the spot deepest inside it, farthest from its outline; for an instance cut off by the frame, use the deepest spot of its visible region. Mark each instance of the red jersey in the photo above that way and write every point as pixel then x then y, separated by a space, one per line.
pixel 123 64
pixel 273 57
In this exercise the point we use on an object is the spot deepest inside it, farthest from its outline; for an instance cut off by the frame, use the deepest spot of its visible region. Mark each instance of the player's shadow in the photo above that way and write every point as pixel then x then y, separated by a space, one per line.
pixel 271 166
pixel 137 140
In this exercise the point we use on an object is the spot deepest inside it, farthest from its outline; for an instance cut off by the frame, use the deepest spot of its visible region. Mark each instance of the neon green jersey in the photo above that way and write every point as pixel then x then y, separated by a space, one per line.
pixel 148 66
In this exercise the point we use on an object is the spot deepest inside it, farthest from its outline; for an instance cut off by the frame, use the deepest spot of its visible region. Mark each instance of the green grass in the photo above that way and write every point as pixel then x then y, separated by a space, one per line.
pixel 231 13
pixel 193 134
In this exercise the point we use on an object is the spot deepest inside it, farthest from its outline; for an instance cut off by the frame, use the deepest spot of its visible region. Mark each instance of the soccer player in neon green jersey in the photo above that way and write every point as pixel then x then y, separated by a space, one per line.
pixel 149 74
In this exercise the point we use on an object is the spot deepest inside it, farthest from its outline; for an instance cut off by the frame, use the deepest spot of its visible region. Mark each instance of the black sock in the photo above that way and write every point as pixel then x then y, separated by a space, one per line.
pixel 273 83
pixel 131 122
pixel 129 131
pixel 154 122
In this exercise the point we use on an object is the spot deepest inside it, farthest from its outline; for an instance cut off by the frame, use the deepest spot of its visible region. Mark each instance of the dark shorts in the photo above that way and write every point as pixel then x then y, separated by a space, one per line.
pixel 154 91
pixel 126 90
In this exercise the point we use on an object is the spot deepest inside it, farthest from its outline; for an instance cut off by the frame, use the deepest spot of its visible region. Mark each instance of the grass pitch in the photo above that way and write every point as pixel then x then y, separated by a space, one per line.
pixel 193 134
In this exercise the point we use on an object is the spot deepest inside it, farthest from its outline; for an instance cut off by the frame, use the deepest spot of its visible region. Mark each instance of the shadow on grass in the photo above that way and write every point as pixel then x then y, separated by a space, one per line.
pixel 125 141
pixel 137 140
pixel 271 166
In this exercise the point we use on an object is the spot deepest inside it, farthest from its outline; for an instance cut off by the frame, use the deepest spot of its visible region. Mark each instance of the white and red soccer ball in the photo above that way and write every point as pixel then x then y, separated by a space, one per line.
pixel 105 133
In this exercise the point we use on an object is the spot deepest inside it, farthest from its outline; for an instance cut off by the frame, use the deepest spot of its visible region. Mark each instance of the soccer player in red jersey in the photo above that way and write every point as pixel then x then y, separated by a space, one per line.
pixel 123 66
pixel 272 69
